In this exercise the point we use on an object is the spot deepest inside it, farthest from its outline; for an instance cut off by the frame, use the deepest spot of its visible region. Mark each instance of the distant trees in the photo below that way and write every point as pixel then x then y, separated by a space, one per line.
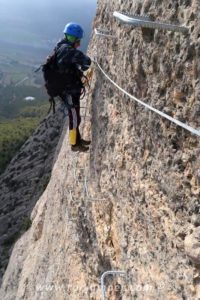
pixel 12 136
pixel 18 118
pixel 13 133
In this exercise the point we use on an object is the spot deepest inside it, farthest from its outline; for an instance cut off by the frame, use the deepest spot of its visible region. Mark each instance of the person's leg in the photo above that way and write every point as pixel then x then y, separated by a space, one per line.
pixel 76 100
pixel 74 122
pixel 73 106
pixel 77 107
pixel 74 119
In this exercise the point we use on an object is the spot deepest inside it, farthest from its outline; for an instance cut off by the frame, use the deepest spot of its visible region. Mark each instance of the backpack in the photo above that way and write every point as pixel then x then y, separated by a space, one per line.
pixel 56 82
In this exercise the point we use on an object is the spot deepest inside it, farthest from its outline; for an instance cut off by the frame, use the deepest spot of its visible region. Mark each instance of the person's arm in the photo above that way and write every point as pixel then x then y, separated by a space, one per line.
pixel 81 60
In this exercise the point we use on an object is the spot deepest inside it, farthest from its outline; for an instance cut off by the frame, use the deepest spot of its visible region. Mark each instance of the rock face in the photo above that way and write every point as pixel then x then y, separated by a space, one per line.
pixel 192 246
pixel 24 181
pixel 132 202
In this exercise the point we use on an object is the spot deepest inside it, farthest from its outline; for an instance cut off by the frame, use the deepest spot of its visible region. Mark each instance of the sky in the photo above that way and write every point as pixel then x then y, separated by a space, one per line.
pixel 37 21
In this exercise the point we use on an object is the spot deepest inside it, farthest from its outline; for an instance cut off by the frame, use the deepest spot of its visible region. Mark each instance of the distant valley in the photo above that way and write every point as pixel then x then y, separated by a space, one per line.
pixel 19 118
pixel 28 33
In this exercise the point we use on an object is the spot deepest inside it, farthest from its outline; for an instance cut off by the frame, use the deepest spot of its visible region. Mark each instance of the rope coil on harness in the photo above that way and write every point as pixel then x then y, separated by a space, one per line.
pixel 164 115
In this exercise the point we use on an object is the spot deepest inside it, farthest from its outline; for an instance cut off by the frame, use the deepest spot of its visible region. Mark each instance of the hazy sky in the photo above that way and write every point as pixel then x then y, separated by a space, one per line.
pixel 43 19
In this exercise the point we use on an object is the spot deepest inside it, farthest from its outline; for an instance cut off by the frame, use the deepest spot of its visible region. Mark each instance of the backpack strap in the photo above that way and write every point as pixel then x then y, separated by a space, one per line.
pixel 52 105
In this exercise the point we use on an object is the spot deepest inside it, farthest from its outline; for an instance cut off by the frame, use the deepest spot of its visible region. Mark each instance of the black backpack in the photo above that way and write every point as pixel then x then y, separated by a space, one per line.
pixel 57 82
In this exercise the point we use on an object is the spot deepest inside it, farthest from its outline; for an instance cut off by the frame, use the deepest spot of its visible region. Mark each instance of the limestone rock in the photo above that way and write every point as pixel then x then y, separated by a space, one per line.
pixel 24 181
pixel 128 203
pixel 192 246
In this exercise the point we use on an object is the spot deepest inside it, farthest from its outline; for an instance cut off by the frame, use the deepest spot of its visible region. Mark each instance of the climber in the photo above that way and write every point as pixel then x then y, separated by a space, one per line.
pixel 71 63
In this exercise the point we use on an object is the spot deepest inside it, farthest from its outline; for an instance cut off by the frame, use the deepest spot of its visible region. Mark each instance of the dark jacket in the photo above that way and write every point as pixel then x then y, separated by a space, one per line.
pixel 72 63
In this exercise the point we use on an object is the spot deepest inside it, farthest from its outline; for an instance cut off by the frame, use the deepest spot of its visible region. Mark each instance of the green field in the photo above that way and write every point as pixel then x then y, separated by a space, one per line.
pixel 14 132
pixel 18 118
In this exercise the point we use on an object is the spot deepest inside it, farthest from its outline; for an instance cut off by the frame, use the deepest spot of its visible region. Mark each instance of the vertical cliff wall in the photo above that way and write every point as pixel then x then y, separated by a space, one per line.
pixel 24 181
pixel 132 202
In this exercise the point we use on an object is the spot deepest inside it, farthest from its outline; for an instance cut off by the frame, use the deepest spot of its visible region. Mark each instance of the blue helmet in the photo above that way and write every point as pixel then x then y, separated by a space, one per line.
pixel 74 30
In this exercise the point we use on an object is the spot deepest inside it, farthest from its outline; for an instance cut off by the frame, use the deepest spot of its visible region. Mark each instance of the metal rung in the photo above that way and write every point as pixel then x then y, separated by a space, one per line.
pixel 95 200
pixel 71 196
pixel 103 289
pixel 103 32
pixel 86 191
pixel 147 18
pixel 138 22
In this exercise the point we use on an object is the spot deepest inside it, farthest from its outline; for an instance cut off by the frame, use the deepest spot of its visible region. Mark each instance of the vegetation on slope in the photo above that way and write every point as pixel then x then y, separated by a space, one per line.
pixel 13 133
pixel 18 118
